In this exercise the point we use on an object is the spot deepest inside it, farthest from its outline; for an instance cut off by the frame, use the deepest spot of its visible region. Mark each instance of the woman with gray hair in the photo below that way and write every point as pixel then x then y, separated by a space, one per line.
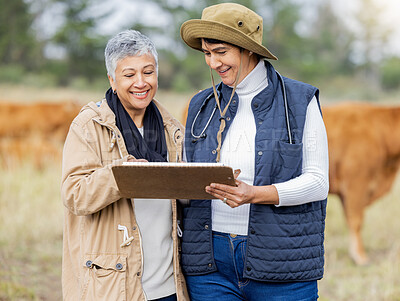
pixel 116 248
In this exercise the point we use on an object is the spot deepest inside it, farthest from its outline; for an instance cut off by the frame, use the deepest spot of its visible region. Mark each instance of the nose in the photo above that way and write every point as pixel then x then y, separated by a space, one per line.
pixel 214 62
pixel 140 81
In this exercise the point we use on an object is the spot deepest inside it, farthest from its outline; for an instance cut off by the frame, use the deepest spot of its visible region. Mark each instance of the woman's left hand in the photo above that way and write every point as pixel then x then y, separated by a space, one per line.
pixel 243 193
pixel 231 195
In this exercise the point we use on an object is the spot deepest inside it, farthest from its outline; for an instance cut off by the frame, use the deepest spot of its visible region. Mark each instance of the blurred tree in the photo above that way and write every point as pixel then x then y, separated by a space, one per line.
pixel 18 43
pixel 312 40
pixel 390 71
pixel 372 37
pixel 83 45
pixel 326 46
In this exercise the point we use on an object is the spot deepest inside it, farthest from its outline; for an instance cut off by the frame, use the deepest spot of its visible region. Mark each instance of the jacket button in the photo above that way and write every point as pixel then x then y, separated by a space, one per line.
pixel 228 118
pixel 118 266
pixel 210 265
pixel 256 105
pixel 260 153
pixel 134 228
pixel 214 151
pixel 252 231
pixel 89 264
pixel 206 227
pixel 138 274
pixel 248 268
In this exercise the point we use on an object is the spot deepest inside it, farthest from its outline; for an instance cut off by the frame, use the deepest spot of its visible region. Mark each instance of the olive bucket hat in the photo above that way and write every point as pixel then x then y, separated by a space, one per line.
pixel 228 22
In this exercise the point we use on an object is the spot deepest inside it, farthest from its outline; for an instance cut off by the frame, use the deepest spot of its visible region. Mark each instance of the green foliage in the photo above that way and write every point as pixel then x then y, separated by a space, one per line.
pixel 18 44
pixel 17 74
pixel 183 73
pixel 390 71
pixel 311 41
pixel 12 73
pixel 84 46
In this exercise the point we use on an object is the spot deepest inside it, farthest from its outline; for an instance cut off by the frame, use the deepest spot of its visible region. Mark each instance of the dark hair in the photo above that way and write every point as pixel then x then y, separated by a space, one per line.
pixel 214 41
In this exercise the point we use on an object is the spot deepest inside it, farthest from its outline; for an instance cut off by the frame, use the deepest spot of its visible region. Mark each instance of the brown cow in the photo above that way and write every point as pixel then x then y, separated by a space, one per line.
pixel 20 119
pixel 364 156
pixel 34 131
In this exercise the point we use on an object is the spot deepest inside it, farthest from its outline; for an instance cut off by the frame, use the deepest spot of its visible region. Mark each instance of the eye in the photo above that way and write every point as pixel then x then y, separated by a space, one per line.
pixel 149 72
pixel 129 75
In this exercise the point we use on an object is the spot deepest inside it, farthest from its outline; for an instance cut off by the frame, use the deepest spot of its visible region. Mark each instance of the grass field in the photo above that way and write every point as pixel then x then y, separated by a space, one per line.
pixel 31 219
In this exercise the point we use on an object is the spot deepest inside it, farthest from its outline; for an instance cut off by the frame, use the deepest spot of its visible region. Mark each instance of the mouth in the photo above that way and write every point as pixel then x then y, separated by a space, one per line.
pixel 224 71
pixel 140 94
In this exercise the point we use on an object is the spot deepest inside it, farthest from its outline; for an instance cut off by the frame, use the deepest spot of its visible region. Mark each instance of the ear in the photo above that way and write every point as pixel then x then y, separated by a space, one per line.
pixel 112 82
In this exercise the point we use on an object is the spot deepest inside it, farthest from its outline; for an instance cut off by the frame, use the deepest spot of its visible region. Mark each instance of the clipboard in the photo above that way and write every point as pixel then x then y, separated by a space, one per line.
pixel 170 180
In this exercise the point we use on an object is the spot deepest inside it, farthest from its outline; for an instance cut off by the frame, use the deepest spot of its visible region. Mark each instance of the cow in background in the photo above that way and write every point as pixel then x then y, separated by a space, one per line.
pixel 34 131
pixel 364 157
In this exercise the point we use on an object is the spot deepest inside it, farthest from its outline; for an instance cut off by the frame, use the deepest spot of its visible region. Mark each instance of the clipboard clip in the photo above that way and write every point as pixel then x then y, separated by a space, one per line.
pixel 236 173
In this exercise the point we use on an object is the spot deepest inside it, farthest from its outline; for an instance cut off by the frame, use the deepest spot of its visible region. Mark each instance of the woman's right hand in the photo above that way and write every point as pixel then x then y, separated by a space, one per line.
pixel 133 159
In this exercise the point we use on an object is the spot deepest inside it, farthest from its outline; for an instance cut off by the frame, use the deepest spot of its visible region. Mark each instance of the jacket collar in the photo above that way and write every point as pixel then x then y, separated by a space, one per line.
pixel 106 116
pixel 173 128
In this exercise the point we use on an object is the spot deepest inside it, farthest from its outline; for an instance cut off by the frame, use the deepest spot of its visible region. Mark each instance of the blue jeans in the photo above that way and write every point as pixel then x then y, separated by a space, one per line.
pixel 228 284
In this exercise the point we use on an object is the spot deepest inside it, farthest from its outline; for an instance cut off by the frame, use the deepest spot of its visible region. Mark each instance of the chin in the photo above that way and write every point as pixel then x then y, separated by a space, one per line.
pixel 228 83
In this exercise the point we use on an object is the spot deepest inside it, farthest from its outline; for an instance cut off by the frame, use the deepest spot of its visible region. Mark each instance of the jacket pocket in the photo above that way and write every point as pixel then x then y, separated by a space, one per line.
pixel 104 277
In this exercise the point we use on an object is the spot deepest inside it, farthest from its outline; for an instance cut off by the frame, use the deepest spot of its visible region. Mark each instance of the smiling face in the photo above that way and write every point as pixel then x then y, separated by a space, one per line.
pixel 136 84
pixel 225 59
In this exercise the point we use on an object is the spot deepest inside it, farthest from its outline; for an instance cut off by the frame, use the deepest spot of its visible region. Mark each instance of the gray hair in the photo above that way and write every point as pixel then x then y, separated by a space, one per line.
pixel 127 43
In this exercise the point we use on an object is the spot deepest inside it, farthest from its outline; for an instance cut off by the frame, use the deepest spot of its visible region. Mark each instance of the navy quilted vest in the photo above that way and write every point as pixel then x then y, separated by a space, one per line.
pixel 284 243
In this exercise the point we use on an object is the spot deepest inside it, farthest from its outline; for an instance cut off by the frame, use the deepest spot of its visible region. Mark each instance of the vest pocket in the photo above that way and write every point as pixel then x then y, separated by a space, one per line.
pixel 104 277
pixel 288 163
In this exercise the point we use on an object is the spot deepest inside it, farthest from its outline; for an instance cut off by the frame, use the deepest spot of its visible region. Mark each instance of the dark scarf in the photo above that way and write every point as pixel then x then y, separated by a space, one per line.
pixel 152 145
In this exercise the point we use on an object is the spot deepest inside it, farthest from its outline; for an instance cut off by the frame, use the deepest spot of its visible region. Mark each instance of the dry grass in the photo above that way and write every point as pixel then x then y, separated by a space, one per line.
pixel 31 217
pixel 380 280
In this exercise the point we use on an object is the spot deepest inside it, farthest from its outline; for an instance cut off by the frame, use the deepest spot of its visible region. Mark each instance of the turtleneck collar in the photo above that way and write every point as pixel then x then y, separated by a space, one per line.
pixel 255 81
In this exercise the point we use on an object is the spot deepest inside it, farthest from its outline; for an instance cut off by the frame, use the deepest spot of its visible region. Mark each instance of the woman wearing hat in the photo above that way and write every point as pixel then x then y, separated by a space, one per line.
pixel 264 238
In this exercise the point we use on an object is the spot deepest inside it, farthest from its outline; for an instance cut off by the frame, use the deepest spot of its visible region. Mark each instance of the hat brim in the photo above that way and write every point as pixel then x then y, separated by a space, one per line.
pixel 193 30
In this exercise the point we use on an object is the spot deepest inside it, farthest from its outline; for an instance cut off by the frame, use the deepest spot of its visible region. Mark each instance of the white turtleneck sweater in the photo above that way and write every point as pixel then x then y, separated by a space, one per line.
pixel 238 152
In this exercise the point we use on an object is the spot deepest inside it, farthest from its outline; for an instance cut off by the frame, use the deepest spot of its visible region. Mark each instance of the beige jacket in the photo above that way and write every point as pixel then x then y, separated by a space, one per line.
pixel 95 265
